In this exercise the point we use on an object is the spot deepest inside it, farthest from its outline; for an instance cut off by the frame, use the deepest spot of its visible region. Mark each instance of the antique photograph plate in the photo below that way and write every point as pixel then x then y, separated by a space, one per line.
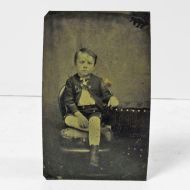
pixel 96 95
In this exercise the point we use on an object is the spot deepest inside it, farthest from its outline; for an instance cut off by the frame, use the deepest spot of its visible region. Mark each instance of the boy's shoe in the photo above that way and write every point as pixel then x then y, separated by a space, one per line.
pixel 94 158
pixel 107 133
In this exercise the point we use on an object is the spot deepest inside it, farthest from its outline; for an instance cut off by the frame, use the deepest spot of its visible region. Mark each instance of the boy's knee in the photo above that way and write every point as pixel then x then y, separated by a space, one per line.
pixel 94 120
pixel 69 119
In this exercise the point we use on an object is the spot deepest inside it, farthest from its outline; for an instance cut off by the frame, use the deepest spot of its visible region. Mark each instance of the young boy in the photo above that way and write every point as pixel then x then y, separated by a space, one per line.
pixel 84 96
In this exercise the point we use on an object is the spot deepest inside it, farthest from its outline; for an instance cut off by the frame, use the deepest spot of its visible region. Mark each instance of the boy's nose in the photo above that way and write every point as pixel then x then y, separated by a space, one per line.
pixel 85 65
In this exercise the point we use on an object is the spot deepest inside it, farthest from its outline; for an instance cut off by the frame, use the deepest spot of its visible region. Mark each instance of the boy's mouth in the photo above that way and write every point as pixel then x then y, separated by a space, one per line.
pixel 84 72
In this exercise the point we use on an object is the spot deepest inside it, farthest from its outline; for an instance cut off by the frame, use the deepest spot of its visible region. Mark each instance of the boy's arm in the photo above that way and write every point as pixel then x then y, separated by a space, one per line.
pixel 108 97
pixel 113 102
pixel 106 93
pixel 69 98
pixel 70 103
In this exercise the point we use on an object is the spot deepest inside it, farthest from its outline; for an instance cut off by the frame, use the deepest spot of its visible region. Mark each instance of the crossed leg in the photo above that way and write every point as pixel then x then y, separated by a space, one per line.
pixel 94 128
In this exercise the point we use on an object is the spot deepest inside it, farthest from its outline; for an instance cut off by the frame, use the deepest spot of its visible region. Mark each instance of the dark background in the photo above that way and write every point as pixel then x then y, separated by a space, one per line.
pixel 123 49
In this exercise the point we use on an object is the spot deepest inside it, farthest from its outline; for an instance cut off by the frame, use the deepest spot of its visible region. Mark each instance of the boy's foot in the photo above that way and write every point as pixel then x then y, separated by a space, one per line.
pixel 94 158
pixel 107 133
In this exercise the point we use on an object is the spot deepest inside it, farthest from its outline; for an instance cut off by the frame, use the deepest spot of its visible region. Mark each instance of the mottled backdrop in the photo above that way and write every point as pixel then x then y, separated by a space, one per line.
pixel 123 53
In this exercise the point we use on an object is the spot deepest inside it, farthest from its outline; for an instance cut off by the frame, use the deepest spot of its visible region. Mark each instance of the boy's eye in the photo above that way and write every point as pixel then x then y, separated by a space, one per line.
pixel 90 63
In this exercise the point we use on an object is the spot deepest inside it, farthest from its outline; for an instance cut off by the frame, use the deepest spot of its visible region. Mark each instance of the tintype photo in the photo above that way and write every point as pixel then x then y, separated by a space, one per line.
pixel 96 95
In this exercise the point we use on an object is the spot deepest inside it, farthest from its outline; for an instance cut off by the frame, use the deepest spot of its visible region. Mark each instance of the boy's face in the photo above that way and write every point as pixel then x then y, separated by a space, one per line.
pixel 84 64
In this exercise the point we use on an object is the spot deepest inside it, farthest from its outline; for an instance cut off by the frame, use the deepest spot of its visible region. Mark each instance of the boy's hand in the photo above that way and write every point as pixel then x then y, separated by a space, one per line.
pixel 83 121
pixel 113 102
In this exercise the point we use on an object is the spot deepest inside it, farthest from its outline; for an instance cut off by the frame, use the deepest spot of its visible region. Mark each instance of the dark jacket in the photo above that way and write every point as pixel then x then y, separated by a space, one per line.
pixel 95 86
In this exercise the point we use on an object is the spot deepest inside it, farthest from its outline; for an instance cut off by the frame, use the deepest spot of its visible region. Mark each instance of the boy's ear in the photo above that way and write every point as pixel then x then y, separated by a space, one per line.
pixel 107 82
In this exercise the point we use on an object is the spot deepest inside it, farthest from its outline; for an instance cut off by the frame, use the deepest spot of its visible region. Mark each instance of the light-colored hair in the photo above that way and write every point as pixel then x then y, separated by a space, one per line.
pixel 88 51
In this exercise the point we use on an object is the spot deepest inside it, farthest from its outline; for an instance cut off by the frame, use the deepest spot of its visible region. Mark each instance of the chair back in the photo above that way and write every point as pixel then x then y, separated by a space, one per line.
pixel 62 106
